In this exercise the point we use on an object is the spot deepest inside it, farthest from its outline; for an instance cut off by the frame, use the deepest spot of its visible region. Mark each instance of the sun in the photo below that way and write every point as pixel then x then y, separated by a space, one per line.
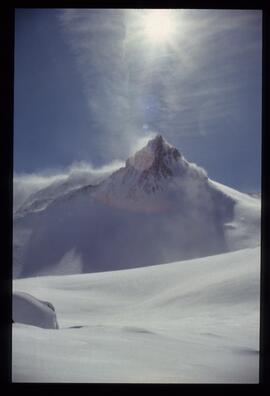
pixel 158 25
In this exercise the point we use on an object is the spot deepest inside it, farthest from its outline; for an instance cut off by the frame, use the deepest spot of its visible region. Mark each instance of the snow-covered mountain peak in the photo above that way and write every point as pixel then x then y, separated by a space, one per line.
pixel 157 155
pixel 157 166
pixel 157 208
pixel 157 142
pixel 153 178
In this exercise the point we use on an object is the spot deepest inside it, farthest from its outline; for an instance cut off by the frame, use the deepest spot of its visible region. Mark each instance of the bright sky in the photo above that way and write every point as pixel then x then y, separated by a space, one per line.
pixel 93 85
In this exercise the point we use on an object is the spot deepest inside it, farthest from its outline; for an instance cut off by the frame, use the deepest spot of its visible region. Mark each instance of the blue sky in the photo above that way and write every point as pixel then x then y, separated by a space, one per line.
pixel 90 87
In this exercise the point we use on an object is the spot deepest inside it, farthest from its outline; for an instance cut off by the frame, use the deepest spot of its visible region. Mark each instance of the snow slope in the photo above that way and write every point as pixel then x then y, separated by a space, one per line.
pixel 194 321
pixel 156 209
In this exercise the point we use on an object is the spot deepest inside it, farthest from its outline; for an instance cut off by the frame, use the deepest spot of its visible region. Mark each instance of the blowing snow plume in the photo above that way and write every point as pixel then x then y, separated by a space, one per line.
pixel 34 191
pixel 157 208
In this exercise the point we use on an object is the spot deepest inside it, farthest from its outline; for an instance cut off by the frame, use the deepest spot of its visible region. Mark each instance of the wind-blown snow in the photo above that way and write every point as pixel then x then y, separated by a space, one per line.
pixel 60 185
pixel 157 208
pixel 244 230
pixel 194 321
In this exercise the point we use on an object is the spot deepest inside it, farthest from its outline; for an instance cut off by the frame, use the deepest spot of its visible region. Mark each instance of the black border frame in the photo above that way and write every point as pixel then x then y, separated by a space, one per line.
pixel 7 35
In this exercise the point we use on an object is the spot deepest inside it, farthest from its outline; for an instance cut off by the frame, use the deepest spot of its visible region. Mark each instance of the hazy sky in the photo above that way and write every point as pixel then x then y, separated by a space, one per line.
pixel 91 86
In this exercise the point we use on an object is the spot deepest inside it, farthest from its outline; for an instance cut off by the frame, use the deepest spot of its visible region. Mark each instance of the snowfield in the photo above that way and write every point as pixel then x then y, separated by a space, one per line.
pixel 194 321
pixel 153 274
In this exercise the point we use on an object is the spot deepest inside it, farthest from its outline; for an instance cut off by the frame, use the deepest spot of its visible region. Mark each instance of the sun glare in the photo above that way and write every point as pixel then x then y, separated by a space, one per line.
pixel 158 25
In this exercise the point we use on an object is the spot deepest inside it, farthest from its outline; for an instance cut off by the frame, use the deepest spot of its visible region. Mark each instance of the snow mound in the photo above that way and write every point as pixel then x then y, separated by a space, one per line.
pixel 29 310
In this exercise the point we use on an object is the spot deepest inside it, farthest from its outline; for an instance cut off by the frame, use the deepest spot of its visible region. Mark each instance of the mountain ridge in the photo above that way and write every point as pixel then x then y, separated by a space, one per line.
pixel 157 208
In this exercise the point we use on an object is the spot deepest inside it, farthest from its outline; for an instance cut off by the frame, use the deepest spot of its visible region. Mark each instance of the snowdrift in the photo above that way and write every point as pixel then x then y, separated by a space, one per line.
pixel 194 321
pixel 29 310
